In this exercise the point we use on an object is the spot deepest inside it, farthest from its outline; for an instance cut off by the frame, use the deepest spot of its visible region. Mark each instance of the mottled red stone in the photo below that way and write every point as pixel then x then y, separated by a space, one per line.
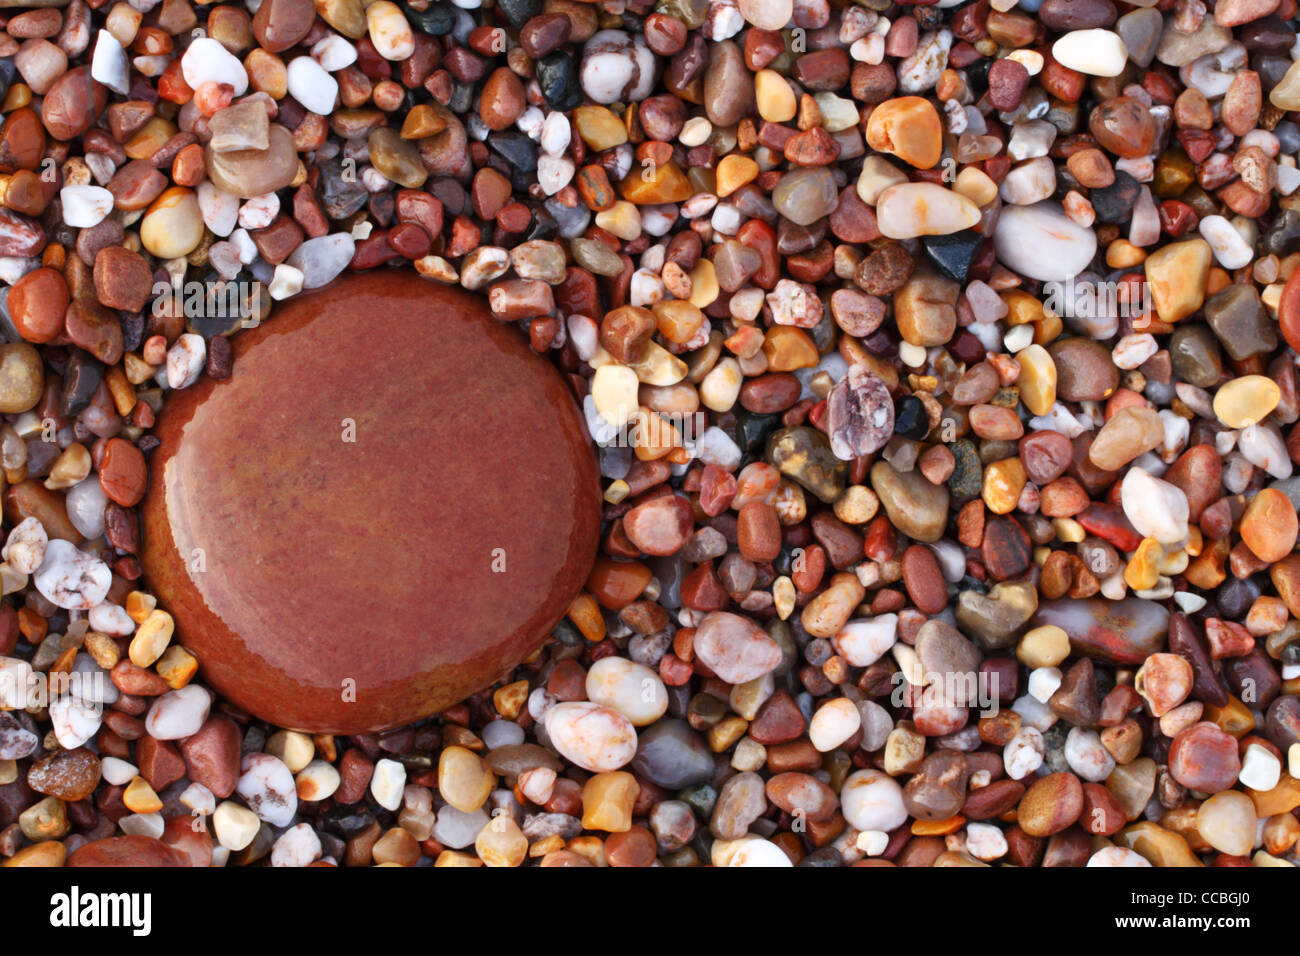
pixel 373 564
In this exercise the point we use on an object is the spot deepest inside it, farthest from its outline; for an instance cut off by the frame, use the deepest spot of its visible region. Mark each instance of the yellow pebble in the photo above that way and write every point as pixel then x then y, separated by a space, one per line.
pixel 607 801
pixel 509 700
pixel 177 666
pixel 1003 482
pixel 776 101
pixel 140 798
pixel 976 186
pixel 783 596
pixel 1022 308
pixel 1246 400
pixel 501 843
pixel 622 219
pixel 1122 254
pixel 586 617
pixel 1069 530
pixel 1177 276
pixel 704 284
pixel 1044 646
pixel 857 505
pixel 1037 379
pixel 733 172
pixel 151 638
pixel 726 732
pixel 1143 569
pixel 599 127
pixel 788 348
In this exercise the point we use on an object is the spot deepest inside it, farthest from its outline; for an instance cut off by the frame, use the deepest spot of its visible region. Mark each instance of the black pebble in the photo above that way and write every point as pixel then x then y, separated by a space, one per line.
pixel 1114 203
pixel 911 420
pixel 557 75
pixel 953 254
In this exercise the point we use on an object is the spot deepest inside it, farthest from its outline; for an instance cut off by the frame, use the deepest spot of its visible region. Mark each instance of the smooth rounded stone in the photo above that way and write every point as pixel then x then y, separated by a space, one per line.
pixel 938 790
pixel 129 851
pixel 1176 277
pixel 173 225
pixel 279 24
pixel 457 829
pixel 22 377
pixel 661 525
pixel 804 455
pixel 945 653
pixel 16 742
pixel 803 796
pixel 1204 758
pixel 397 159
pixel 1269 525
pixel 834 722
pixel 311 86
pixel 735 648
pixel 915 507
pixel 290 637
pixel 72 104
pixel 1092 52
pixel 1155 508
pixel 860 414
pixel 872 800
pixel 741 801
pixel 994 619
pixel 1227 822
pixel 1237 317
pixel 1120 632
pixel 634 690
pixel 267 787
pixel 863 641
pixel 1051 804
pixel 69 775
pixel 910 128
pixel 206 60
pixel 464 779
pixel 728 85
pixel 912 210
pixel 1130 432
pixel 70 578
pixel 511 759
pixel 323 259
pixel 1196 357
pixel 1283 721
pixel 1043 243
pixel 673 756
pixel 1085 371
pixel 767 14
pixel 595 738
pixel 255 172
pixel 1246 400
pixel 1178 48
pixel 805 195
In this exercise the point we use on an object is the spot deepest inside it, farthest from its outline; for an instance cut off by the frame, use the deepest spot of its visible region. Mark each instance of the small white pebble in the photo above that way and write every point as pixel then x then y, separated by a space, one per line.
pixel 387 783
pixel 185 360
pixel 85 206
pixel 286 282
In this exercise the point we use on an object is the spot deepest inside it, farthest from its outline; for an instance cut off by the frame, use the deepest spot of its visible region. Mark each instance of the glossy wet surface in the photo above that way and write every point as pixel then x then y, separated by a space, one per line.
pixel 387 507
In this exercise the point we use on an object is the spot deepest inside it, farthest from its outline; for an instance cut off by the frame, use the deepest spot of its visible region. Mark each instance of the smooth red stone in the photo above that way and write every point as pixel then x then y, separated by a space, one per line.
pixel 124 851
pixel 373 563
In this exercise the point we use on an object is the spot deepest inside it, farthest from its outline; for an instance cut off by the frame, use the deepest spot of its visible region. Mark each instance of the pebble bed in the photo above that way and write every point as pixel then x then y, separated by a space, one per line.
pixel 910 558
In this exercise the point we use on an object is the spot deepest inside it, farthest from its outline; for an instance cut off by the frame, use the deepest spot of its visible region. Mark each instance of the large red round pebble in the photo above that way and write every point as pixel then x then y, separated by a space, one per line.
pixel 388 505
